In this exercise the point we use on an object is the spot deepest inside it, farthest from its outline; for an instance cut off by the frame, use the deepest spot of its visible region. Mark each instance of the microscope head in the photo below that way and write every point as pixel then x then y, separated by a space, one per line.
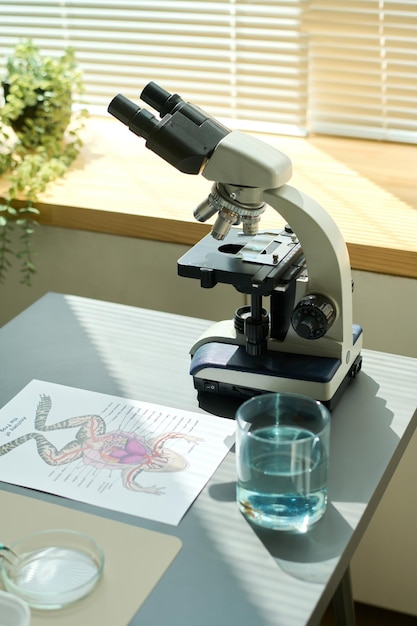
pixel 185 136
pixel 188 138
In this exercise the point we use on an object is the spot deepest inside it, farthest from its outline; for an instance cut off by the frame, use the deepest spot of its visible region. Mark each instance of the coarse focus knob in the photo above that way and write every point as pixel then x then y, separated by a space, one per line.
pixel 313 316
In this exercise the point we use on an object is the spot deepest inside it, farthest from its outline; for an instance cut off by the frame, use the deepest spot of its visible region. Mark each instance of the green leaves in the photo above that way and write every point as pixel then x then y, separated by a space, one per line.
pixel 25 220
pixel 45 139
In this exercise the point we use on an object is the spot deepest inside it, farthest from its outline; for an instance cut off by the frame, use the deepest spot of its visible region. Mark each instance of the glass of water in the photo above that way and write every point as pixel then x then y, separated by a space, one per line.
pixel 282 453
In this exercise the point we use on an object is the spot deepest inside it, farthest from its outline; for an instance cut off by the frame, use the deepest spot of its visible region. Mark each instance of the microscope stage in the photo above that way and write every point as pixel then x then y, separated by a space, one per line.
pixel 252 263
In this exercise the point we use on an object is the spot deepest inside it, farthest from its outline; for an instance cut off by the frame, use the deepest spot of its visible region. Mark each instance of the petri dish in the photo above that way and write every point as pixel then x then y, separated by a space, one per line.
pixel 13 611
pixel 53 568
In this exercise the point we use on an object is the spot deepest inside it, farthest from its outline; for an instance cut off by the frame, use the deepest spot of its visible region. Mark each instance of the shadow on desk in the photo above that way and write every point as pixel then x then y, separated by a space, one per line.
pixel 309 556
pixel 295 552
pixel 362 423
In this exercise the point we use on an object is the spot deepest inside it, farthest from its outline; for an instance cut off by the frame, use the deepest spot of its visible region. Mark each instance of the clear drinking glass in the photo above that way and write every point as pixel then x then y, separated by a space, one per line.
pixel 282 452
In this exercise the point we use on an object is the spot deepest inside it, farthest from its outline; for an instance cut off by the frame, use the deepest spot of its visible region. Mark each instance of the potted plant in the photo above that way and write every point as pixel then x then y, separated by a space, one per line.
pixel 39 139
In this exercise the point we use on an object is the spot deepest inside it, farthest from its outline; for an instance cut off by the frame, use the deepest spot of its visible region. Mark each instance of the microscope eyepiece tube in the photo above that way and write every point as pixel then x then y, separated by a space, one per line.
pixel 123 109
pixel 143 123
pixel 154 95
pixel 140 121
pixel 160 99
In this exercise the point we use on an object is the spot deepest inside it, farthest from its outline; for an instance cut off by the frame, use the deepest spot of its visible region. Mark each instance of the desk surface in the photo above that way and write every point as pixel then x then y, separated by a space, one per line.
pixel 226 571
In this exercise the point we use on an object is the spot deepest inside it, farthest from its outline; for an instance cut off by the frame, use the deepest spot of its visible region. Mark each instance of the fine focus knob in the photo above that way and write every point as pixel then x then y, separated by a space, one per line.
pixel 313 316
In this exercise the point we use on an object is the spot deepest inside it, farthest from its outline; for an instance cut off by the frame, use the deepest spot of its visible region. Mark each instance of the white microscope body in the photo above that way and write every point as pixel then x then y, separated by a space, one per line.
pixel 317 350
pixel 249 162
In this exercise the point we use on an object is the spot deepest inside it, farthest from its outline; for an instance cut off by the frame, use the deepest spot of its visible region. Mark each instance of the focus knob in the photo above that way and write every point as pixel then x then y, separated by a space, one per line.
pixel 313 316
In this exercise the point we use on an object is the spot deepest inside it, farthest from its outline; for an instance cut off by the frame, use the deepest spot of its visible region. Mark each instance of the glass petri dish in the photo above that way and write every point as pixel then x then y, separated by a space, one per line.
pixel 53 568
pixel 13 611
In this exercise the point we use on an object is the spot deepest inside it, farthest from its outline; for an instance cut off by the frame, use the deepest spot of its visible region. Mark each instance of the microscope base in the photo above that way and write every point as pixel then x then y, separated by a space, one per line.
pixel 225 369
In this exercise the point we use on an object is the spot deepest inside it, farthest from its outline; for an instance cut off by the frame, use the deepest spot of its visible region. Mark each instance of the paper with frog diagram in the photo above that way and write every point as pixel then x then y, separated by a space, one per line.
pixel 129 456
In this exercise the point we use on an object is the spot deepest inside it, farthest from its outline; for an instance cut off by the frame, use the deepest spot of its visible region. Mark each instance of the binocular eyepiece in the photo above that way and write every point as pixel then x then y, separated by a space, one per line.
pixel 184 136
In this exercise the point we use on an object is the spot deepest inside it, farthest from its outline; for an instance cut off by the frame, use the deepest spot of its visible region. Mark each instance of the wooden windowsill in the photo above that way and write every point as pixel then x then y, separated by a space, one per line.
pixel 118 186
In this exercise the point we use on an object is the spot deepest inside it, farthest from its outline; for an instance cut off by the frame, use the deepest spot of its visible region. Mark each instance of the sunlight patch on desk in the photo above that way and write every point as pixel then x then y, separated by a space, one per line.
pixel 261 579
pixel 350 511
pixel 119 337
pixel 401 369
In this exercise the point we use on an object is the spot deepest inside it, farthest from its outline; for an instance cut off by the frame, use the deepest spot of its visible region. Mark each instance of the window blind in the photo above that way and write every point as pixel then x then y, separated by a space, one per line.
pixel 345 67
pixel 363 68
pixel 242 61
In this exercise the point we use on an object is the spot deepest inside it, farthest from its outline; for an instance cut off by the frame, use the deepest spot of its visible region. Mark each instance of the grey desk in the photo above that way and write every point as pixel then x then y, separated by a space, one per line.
pixel 226 571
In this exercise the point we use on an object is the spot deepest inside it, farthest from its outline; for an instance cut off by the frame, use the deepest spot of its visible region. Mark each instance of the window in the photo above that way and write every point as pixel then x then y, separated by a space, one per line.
pixel 292 66
pixel 363 68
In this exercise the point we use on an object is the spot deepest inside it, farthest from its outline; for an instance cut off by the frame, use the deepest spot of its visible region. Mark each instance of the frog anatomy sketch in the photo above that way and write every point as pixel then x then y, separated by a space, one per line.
pixel 126 451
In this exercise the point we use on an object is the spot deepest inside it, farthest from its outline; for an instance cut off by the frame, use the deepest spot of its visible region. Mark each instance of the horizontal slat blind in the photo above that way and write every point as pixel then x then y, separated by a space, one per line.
pixel 270 61
pixel 363 68
pixel 345 67
pixel 242 61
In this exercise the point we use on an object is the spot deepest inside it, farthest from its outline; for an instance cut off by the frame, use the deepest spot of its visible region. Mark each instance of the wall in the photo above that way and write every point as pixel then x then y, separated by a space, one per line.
pixel 143 273
pixel 120 269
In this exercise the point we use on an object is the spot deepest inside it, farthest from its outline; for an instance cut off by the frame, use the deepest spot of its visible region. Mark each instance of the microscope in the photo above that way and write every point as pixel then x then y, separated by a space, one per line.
pixel 304 340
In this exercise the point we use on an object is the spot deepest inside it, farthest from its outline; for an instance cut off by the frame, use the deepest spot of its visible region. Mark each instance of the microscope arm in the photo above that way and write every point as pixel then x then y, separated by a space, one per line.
pixel 325 251
pixel 249 164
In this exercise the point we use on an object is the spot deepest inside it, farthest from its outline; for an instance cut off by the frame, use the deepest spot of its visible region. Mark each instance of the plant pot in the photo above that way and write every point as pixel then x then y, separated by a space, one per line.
pixel 48 114
pixel 28 112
